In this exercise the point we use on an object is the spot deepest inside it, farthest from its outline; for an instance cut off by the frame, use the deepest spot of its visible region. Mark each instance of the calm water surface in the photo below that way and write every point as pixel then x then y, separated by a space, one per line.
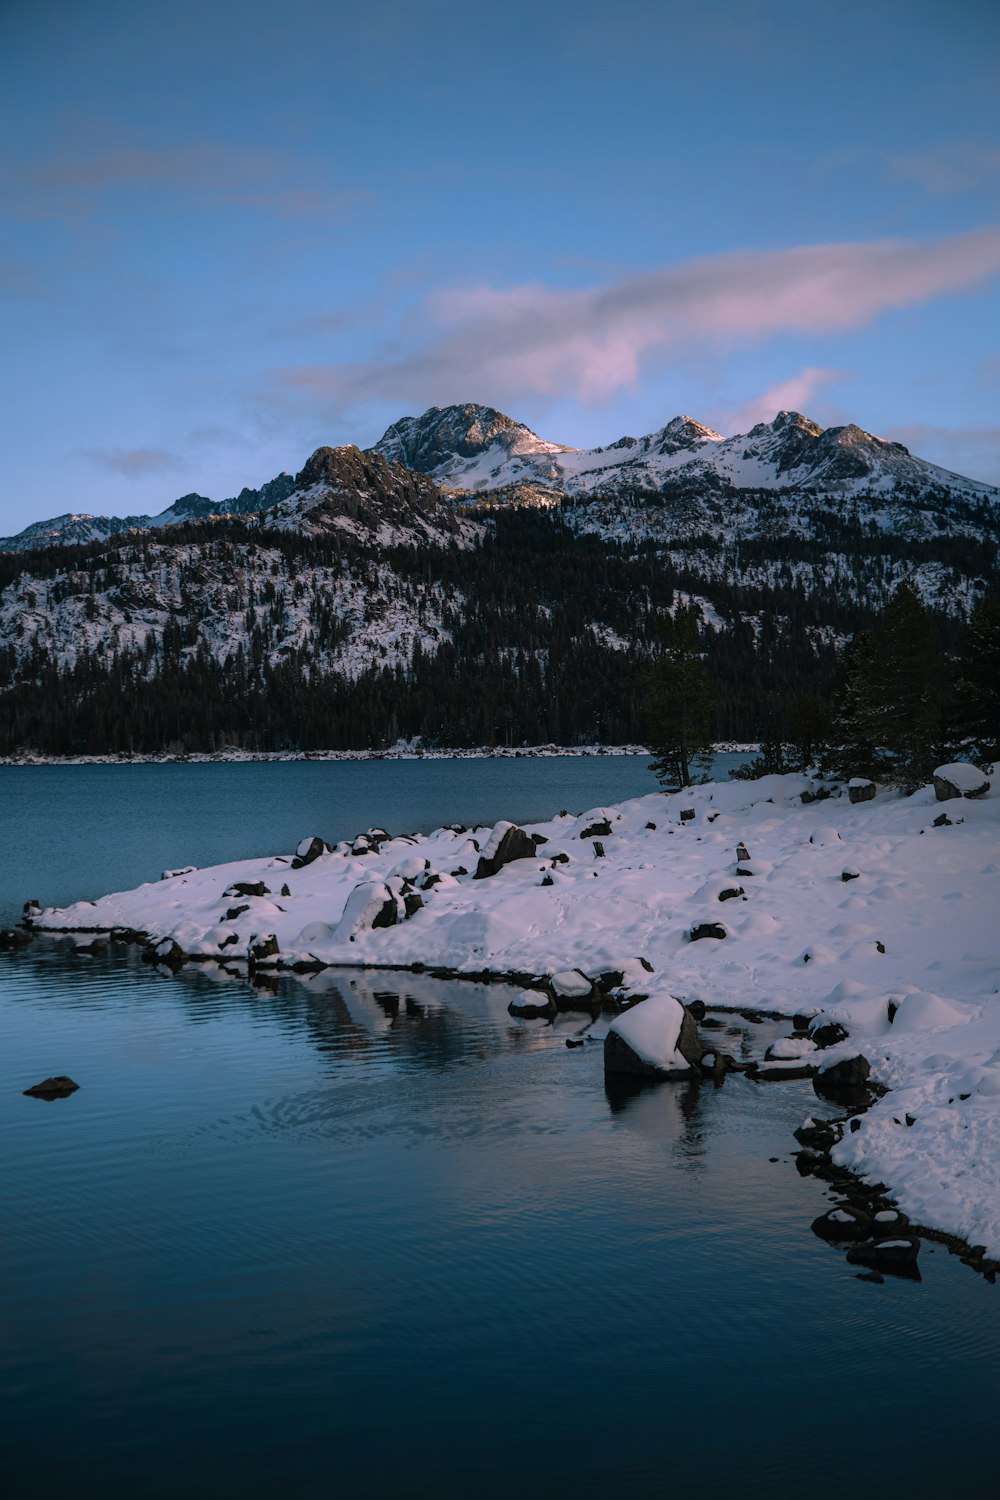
pixel 369 1235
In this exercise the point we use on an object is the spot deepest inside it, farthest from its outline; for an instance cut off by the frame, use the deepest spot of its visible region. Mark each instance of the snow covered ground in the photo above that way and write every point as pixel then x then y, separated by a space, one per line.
pixel 869 913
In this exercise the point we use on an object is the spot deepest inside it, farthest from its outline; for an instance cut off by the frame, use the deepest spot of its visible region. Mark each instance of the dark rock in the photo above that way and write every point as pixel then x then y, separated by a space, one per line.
pixel 538 839
pixel 942 821
pixel 530 1006
pixel 826 1033
pixel 818 1134
pixel 687 814
pixel 875 1276
pixel 620 1058
pixel 598 830
pixel 707 930
pixel 59 1087
pixel 945 788
pixel 743 872
pixel 412 902
pixel 742 854
pixel 847 875
pixel 14 937
pixel 845 1222
pixel 261 948
pixel 800 1024
pixel 235 911
pixel 849 1072
pixel 861 791
pixel 651 827
pixel 515 844
pixel 308 850
pixel 598 849
pixel 247 888
pixel 731 893
pixel 696 1008
pixel 890 1223
pixel 165 952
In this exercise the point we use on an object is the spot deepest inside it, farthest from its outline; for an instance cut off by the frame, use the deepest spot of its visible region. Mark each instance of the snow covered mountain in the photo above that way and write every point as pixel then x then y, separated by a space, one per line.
pixel 695 478
pixel 476 450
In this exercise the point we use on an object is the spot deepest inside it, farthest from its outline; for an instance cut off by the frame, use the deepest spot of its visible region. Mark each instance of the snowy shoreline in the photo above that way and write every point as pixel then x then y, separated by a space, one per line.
pixel 394 752
pixel 877 915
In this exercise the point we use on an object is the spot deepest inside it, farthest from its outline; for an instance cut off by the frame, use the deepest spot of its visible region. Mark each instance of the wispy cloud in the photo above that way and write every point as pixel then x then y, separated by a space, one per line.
pixel 134 463
pixel 73 182
pixel 501 344
pixel 959 167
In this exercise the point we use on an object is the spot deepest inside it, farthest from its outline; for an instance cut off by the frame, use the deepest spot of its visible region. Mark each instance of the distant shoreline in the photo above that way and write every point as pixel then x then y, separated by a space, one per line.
pixel 395 752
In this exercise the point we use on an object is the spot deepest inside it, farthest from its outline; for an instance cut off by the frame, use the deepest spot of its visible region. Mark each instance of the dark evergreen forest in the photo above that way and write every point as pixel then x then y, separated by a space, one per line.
pixel 524 663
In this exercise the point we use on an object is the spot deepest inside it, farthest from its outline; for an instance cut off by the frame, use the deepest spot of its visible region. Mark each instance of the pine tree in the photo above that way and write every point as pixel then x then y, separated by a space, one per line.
pixel 912 690
pixel 976 706
pixel 857 730
pixel 681 699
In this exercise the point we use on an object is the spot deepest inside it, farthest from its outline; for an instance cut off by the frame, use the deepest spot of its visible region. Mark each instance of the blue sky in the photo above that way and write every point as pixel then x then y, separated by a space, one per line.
pixel 234 231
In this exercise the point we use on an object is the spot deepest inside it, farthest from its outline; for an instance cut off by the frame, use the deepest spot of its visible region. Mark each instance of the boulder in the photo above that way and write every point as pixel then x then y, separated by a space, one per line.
pixel 370 905
pixel 742 853
pixel 59 1087
pixel 846 1073
pixel 959 779
pixel 165 952
pixel 848 873
pixel 572 990
pixel 860 789
pixel 246 888
pixel 309 849
pixel 819 1135
pixel 598 830
pixel 731 893
pixel 532 1004
pixel 506 843
pixel 657 1039
pixel 843 1223
pixel 707 930
pixel 687 814
pixel 261 947
pixel 826 1033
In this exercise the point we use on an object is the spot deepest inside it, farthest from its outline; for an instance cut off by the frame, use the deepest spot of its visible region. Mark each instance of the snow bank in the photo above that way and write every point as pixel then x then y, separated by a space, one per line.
pixel 904 955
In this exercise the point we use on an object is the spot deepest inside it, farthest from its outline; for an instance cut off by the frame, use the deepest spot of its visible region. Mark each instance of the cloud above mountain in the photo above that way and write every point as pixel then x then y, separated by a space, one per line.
pixel 536 339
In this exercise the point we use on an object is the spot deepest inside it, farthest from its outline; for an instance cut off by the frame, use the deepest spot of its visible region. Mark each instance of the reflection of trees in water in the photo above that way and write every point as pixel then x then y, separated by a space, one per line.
pixel 378 1015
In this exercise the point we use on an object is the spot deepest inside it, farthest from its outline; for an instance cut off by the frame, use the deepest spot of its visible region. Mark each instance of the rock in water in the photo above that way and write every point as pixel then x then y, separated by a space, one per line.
pixel 657 1039
pixel 58 1087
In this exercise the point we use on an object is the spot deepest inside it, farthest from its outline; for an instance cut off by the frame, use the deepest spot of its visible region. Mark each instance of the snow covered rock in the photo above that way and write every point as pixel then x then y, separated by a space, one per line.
pixel 506 843
pixel 844 1223
pixel 845 1072
pixel 370 905
pixel 959 779
pixel 896 1255
pixel 788 1047
pixel 707 930
pixel 309 849
pixel 261 947
pixel 572 990
pixel 657 1039
pixel 860 789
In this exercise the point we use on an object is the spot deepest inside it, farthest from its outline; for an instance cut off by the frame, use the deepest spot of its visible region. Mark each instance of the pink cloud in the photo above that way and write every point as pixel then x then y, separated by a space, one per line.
pixel 794 394
pixel 534 339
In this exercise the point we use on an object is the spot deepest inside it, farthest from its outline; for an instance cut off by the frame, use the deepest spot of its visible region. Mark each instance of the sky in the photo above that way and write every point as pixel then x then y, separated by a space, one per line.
pixel 235 230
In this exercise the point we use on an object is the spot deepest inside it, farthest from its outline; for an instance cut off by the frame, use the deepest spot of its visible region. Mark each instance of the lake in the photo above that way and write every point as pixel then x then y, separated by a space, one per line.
pixel 74 832
pixel 368 1234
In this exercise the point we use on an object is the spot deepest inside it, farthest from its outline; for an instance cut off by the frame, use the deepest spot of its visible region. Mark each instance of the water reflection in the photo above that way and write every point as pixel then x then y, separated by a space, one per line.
pixel 370 1225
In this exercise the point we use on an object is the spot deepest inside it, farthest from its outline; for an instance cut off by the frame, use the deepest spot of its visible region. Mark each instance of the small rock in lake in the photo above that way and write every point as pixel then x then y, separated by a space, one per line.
pixel 58 1087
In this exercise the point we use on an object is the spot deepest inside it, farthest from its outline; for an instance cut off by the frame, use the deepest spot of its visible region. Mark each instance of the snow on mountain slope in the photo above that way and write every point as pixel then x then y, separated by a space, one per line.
pixel 476 450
